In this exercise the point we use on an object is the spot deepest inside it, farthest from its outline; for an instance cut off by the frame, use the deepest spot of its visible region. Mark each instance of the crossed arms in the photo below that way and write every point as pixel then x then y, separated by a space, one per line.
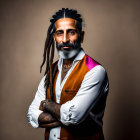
pixel 72 112
pixel 50 117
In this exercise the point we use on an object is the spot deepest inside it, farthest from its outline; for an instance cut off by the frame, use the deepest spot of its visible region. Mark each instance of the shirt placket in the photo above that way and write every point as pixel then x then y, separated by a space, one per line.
pixel 61 84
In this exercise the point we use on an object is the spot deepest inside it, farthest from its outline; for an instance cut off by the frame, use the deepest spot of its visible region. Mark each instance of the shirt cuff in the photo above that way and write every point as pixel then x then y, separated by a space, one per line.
pixel 34 118
pixel 66 114
pixel 63 115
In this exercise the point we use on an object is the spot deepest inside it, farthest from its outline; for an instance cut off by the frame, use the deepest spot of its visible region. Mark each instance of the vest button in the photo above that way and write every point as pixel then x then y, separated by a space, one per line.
pixel 66 90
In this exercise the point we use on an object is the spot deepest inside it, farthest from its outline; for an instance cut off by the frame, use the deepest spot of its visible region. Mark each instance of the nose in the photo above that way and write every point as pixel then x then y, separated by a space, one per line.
pixel 65 38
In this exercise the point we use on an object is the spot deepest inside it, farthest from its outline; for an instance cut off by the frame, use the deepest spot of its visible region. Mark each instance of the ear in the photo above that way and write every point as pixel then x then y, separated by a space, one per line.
pixel 82 36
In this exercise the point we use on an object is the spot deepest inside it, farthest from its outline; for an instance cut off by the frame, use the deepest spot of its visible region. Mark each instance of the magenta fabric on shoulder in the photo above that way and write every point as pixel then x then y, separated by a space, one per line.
pixel 90 63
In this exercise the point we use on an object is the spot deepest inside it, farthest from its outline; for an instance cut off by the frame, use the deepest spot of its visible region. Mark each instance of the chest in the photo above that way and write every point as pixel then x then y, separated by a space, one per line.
pixel 67 89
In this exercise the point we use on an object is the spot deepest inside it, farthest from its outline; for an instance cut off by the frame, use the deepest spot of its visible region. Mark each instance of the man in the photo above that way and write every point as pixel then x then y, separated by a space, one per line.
pixel 71 97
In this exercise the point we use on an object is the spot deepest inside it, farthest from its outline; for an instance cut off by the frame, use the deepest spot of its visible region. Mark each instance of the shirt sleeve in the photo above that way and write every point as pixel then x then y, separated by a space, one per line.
pixel 33 111
pixel 75 110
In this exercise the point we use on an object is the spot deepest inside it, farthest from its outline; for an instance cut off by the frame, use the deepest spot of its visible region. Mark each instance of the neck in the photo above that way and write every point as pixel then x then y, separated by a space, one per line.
pixel 68 61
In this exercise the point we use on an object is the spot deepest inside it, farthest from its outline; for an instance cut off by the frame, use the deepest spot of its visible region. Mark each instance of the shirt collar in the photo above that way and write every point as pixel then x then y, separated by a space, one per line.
pixel 79 57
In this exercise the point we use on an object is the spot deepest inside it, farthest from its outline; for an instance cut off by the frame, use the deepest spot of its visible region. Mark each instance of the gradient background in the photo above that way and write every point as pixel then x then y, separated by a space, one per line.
pixel 112 37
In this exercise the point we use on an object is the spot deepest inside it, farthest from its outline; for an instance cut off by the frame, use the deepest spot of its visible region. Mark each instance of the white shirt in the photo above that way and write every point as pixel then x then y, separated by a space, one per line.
pixel 75 110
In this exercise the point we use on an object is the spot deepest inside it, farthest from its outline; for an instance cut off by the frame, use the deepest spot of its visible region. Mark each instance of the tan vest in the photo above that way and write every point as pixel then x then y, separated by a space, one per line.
pixel 88 129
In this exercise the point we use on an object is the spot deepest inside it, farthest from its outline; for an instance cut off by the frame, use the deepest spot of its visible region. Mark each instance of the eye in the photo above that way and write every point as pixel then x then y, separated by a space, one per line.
pixel 58 33
pixel 72 32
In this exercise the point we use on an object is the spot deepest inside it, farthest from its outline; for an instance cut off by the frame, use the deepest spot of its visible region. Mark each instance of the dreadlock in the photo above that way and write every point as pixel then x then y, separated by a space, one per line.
pixel 48 54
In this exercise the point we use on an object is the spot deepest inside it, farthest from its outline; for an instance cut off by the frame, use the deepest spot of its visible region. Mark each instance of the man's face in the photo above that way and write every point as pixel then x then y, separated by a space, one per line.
pixel 67 37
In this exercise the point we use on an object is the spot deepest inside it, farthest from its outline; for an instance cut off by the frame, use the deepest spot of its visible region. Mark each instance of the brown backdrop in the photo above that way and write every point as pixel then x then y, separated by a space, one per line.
pixel 112 37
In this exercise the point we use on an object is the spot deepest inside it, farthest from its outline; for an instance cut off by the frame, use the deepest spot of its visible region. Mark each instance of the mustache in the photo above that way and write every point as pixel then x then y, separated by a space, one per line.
pixel 67 44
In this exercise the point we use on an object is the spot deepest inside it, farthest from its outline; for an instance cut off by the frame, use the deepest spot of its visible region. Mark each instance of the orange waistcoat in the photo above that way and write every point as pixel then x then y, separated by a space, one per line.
pixel 88 129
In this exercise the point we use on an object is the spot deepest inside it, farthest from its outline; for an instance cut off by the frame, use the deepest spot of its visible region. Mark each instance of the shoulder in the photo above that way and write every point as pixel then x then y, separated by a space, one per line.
pixel 98 71
pixel 90 62
pixel 42 81
pixel 94 67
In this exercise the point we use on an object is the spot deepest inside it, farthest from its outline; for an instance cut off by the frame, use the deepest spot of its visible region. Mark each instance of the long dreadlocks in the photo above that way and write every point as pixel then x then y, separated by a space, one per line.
pixel 48 54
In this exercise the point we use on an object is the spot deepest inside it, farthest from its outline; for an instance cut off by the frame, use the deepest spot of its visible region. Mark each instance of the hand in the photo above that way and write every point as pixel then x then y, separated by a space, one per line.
pixel 46 120
pixel 51 107
pixel 41 107
pixel 43 103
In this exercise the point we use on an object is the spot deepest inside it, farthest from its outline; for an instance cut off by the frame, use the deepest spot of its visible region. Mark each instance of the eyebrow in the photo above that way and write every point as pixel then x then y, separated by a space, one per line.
pixel 67 30
pixel 72 30
pixel 59 31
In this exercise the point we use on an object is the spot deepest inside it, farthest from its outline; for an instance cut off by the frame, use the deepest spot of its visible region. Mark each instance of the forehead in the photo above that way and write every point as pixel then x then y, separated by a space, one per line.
pixel 65 23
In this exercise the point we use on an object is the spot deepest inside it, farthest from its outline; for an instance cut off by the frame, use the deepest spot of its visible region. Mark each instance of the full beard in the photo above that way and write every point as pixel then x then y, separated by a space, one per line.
pixel 68 53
